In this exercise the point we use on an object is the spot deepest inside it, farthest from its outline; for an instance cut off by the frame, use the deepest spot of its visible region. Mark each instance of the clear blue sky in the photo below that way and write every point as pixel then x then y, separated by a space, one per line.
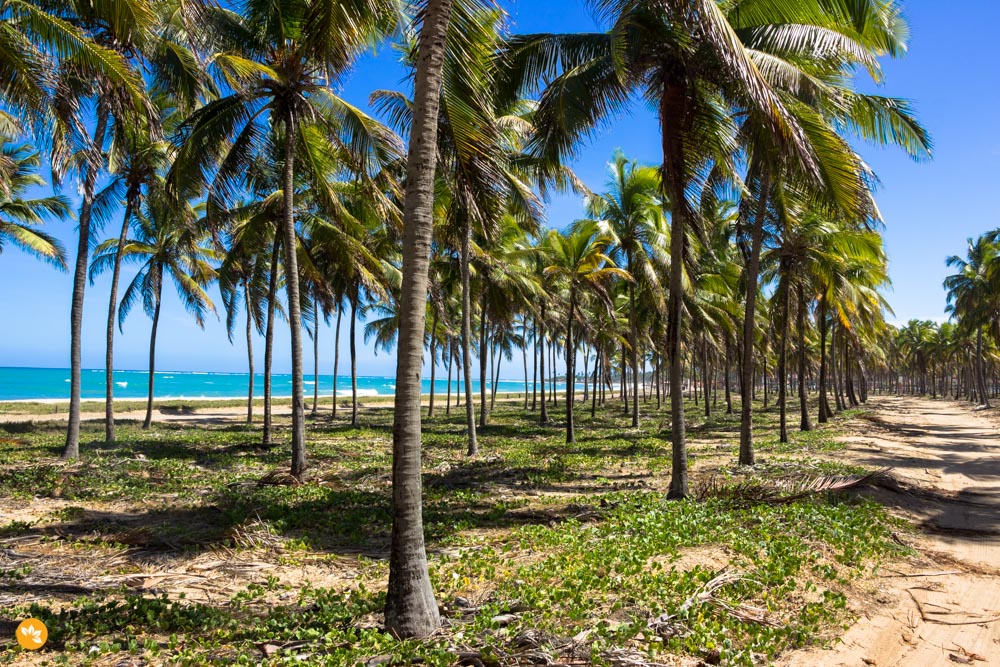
pixel 930 208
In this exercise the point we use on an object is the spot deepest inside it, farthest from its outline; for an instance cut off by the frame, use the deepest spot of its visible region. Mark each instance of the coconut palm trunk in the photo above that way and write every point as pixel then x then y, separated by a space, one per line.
pixel 746 457
pixel 109 350
pixel 484 364
pixel 674 120
pixel 783 290
pixel 470 414
pixel 71 450
pixel 315 409
pixel 267 436
pixel 570 374
pixel 434 326
pixel 298 467
pixel 634 352
pixel 543 417
pixel 354 361
pixel 148 421
pixel 411 610
pixel 824 406
pixel 246 298
pixel 336 360
pixel 315 337
pixel 804 424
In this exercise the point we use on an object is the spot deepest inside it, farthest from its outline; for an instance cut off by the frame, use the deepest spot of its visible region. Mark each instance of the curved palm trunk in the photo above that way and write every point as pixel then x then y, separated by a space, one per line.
pixel 804 424
pixel 747 457
pixel 336 360
pixel 71 449
pixel 534 366
pixel 298 467
pixel 109 353
pixel 267 436
pixel 148 421
pixel 246 297
pixel 470 413
pixel 570 375
pixel 411 610
pixel 434 326
pixel 354 362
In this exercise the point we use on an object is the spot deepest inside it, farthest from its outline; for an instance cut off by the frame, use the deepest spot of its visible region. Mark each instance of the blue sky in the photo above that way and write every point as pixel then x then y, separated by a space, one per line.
pixel 930 208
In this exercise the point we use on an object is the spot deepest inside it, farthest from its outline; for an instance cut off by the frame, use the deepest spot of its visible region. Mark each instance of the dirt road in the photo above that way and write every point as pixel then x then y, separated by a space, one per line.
pixel 944 607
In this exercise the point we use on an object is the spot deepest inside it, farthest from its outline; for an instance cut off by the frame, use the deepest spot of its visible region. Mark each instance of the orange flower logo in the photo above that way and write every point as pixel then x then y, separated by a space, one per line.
pixel 32 634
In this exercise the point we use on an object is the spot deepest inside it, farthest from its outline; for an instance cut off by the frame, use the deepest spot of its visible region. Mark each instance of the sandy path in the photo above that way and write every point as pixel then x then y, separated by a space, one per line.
pixel 944 608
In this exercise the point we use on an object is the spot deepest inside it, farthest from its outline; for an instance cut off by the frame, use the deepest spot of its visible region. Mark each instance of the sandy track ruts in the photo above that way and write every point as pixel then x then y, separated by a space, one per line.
pixel 943 608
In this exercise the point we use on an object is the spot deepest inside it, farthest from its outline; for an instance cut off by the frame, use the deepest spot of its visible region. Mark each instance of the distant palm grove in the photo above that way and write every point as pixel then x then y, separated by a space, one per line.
pixel 211 150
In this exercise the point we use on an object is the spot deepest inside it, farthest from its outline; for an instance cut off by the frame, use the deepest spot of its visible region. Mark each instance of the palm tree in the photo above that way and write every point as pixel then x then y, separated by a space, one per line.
pixel 410 607
pixel 579 263
pixel 20 217
pixel 973 297
pixel 107 78
pixel 289 51
pixel 686 57
pixel 170 241
pixel 633 209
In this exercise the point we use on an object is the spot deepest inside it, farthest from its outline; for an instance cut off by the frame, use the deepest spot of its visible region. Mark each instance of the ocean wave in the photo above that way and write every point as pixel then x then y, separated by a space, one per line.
pixel 122 384
pixel 346 393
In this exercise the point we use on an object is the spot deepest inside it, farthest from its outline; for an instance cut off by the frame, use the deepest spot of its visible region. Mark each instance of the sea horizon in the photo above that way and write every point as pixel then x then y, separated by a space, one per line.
pixel 51 384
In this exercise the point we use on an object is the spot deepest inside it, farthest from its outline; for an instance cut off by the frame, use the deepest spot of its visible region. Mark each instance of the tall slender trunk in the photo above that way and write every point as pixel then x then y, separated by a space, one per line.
pixel 246 297
pixel 483 363
pixel 267 436
pixel 336 359
pixel 524 358
pixel 981 373
pixel 783 290
pixel 534 366
pixel 634 333
pixel 746 368
pixel 552 372
pixel 570 358
pixel 451 359
pixel 593 393
pixel 544 414
pixel 706 376
pixel 496 374
pixel 298 467
pixel 148 421
pixel 109 354
pixel 804 424
pixel 470 414
pixel 728 381
pixel 71 450
pixel 354 361
pixel 824 406
pixel 434 327
pixel 674 120
pixel 411 610
pixel 315 408
pixel 586 374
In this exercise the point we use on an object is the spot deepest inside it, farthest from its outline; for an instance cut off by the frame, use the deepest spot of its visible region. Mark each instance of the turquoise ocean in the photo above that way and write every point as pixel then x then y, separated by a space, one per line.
pixel 22 384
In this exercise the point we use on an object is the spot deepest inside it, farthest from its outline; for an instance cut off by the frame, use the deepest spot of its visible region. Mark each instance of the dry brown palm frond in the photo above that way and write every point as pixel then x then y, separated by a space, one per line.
pixel 787 489
pixel 279 477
